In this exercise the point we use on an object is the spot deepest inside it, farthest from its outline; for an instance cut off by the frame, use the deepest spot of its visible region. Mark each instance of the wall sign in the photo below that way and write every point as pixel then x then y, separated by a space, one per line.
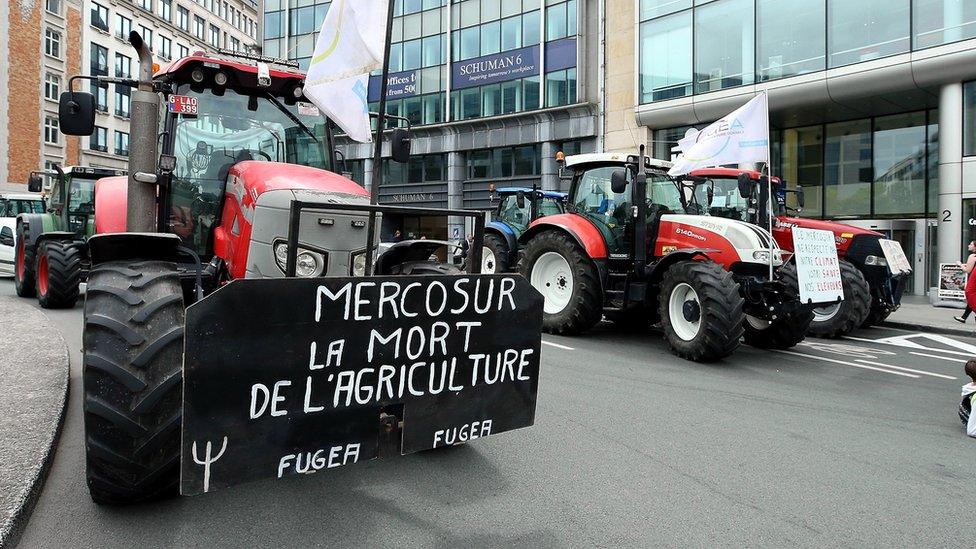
pixel 561 54
pixel 817 267
pixel 272 391
pixel 399 84
pixel 498 67
pixel 952 281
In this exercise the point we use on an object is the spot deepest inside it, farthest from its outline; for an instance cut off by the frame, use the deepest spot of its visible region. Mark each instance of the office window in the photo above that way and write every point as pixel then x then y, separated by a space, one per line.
pixel 165 47
pixel 99 16
pixel 123 66
pixel 802 152
pixel 235 44
pixel 52 43
pixel 123 26
pixel 560 20
pixel 51 130
pixel 198 27
pixel 847 169
pixel 123 101
pixel 214 36
pixel 866 29
pixel 99 139
pixel 147 35
pixel 182 51
pixel 666 57
pixel 561 88
pixel 100 91
pixel 937 22
pixel 969 119
pixel 899 164
pixel 146 5
pixel 791 37
pixel 183 18
pixel 121 143
pixel 52 86
pixel 53 6
pixel 724 45
pixel 99 60
pixel 657 8
pixel 166 10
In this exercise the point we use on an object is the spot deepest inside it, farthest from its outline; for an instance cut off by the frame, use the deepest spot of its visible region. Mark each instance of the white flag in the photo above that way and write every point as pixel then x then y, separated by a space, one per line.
pixel 350 45
pixel 739 137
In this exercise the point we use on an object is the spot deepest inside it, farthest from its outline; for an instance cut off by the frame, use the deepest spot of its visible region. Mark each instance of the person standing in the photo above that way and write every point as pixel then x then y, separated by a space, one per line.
pixel 968 268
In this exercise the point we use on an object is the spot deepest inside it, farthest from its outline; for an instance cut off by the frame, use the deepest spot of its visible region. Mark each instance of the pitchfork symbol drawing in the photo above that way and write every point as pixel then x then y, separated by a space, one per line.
pixel 208 460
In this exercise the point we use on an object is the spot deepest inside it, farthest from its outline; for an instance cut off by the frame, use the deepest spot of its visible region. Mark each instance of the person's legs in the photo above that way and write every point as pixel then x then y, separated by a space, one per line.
pixel 965 315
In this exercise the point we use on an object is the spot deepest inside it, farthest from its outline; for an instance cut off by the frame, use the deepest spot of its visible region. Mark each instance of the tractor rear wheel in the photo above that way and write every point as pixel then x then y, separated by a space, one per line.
pixel 494 256
pixel 842 318
pixel 133 357
pixel 24 264
pixel 58 274
pixel 568 280
pixel 787 330
pixel 701 311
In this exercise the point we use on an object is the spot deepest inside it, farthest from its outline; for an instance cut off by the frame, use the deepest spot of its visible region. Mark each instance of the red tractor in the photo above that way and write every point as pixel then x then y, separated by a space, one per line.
pixel 244 200
pixel 872 290
pixel 626 250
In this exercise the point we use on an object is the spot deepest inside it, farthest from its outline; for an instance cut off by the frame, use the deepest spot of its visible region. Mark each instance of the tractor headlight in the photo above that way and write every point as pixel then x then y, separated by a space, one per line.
pixel 761 255
pixel 357 267
pixel 875 261
pixel 308 264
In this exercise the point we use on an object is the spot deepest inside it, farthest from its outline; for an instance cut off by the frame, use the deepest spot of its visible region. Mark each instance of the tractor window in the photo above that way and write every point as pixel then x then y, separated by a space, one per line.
pixel 14 207
pixel 509 211
pixel 81 197
pixel 595 198
pixel 549 206
pixel 226 130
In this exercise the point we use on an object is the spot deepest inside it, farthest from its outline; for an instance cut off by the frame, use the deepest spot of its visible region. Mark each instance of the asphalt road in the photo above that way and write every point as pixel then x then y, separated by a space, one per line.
pixel 853 442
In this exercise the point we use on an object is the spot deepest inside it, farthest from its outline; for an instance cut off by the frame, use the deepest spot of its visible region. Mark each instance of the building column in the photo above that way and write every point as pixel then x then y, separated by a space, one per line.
pixel 550 168
pixel 368 174
pixel 950 174
pixel 455 194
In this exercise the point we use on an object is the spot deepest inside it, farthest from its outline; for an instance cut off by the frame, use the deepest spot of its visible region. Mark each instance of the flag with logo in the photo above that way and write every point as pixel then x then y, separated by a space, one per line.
pixel 350 45
pixel 739 137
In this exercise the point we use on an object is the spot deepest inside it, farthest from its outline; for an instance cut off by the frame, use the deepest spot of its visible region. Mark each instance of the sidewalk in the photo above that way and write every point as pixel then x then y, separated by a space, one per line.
pixel 34 382
pixel 917 314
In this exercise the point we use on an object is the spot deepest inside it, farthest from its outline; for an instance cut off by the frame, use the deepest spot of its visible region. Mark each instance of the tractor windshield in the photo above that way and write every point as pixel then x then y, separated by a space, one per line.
pixel 227 129
pixel 726 200
pixel 13 207
pixel 509 211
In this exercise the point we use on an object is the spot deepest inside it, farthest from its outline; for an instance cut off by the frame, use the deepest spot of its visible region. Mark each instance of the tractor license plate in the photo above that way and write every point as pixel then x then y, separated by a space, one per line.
pixel 183 104
pixel 290 376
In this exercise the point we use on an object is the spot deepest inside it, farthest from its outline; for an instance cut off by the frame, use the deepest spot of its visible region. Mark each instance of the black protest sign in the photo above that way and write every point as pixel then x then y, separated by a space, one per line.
pixel 289 376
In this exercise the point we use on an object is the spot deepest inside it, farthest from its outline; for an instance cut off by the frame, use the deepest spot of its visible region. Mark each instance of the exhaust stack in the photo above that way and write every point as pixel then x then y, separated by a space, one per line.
pixel 143 144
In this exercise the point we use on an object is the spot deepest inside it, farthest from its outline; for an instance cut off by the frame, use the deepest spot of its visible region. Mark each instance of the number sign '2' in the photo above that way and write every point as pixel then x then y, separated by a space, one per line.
pixel 291 376
pixel 183 104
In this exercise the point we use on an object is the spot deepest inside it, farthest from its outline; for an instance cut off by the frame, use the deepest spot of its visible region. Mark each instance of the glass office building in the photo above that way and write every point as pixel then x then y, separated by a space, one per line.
pixel 872 103
pixel 492 90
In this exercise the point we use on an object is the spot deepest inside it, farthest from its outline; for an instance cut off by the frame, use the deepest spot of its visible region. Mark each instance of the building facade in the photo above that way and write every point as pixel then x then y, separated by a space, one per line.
pixel 174 29
pixel 492 90
pixel 872 103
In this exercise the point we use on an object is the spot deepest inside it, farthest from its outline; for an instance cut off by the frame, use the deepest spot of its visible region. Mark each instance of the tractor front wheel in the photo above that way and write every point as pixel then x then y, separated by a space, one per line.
pixel 787 330
pixel 701 311
pixel 58 274
pixel 494 255
pixel 133 356
pixel 24 264
pixel 838 319
pixel 568 280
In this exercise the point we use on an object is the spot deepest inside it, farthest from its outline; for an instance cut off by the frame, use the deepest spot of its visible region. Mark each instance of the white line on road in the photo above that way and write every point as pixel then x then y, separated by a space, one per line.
pixel 923 372
pixel 950 359
pixel 913 346
pixel 841 362
pixel 558 346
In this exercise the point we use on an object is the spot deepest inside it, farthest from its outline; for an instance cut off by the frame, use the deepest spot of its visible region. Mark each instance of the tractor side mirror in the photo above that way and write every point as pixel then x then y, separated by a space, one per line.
pixel 35 182
pixel 6 236
pixel 800 200
pixel 76 113
pixel 618 181
pixel 520 200
pixel 745 185
pixel 400 145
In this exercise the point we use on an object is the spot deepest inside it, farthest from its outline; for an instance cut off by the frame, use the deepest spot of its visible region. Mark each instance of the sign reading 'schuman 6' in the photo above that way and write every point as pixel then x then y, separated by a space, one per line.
pixel 320 373
pixel 498 67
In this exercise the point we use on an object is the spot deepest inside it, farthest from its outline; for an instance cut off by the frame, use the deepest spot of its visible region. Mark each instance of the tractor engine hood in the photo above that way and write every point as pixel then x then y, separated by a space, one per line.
pixel 731 238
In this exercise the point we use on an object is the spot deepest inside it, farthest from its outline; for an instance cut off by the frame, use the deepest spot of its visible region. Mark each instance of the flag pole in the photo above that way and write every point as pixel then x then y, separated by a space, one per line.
pixel 769 187
pixel 377 175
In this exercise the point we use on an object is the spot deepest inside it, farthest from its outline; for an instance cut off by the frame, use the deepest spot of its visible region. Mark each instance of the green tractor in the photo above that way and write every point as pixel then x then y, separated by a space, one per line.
pixel 51 258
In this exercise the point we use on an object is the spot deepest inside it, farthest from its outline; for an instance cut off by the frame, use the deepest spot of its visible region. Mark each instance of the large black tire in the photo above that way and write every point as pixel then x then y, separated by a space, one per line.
pixel 133 356
pixel 24 264
pixel 499 250
pixel 847 316
pixel 718 311
pixel 787 330
pixel 579 286
pixel 876 315
pixel 58 274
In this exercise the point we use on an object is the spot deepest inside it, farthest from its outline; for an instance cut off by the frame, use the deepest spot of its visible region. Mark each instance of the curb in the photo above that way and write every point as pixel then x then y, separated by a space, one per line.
pixel 11 532
pixel 928 329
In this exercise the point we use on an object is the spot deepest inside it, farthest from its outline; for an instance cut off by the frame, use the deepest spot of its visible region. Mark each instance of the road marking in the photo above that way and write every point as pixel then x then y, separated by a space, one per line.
pixel 923 372
pixel 902 341
pixel 558 346
pixel 841 362
pixel 941 357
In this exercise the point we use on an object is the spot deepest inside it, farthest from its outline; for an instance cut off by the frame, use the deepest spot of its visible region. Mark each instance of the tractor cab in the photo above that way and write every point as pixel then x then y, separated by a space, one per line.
pixel 71 196
pixel 737 194
pixel 517 206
